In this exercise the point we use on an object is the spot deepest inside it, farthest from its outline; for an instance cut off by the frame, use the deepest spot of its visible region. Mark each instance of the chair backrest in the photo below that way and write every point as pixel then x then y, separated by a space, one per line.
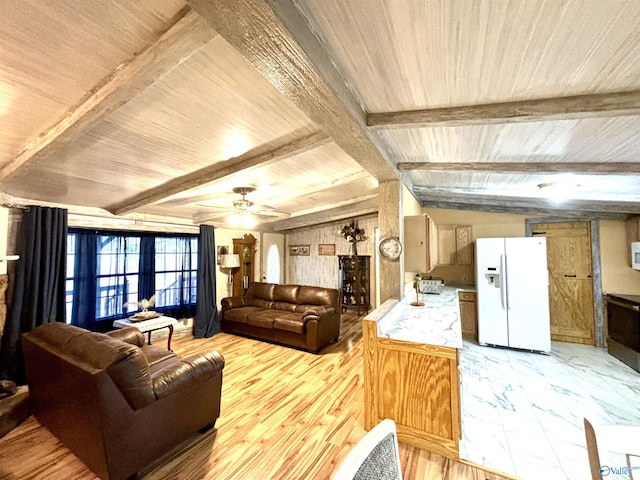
pixel 592 450
pixel 375 456
pixel 611 449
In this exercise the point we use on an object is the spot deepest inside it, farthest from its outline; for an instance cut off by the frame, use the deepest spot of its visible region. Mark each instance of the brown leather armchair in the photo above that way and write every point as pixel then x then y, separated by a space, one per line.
pixel 117 403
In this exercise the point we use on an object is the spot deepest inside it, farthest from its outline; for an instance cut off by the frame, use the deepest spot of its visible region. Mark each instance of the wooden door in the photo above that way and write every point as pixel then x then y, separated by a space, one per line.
pixel 570 280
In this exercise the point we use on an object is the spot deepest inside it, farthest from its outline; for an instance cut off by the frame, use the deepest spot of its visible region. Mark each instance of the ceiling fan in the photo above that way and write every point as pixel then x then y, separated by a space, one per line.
pixel 244 205
pixel 244 210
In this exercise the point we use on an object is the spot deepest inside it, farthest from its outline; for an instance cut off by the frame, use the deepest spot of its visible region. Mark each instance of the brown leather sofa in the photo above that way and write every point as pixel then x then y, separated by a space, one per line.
pixel 115 402
pixel 294 315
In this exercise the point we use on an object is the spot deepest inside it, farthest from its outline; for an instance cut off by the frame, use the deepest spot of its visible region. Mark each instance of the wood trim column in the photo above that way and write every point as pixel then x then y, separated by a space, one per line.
pixel 390 225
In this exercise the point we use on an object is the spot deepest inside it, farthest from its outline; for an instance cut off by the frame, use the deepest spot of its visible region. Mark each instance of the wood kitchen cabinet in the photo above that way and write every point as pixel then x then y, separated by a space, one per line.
pixel 446 245
pixel 416 385
pixel 455 245
pixel 633 234
pixel 468 314
pixel 420 243
pixel 464 246
pixel 428 245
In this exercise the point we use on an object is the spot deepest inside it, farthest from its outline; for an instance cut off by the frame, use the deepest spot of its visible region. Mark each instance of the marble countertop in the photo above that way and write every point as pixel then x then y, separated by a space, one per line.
pixel 435 323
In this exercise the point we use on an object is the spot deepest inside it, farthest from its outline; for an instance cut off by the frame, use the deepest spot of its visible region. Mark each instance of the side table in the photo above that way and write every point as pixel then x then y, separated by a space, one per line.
pixel 148 326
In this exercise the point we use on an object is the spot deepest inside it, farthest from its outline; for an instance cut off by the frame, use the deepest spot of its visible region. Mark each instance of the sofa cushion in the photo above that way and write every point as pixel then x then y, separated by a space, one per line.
pixel 240 314
pixel 260 303
pixel 314 296
pixel 284 306
pixel 263 318
pixel 262 291
pixel 291 322
pixel 286 293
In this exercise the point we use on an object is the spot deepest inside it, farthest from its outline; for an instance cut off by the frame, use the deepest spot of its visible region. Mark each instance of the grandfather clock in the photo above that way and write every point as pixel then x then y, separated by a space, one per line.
pixel 245 247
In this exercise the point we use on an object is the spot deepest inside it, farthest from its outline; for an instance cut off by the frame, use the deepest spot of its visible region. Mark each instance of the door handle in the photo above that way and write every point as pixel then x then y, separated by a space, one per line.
pixel 570 276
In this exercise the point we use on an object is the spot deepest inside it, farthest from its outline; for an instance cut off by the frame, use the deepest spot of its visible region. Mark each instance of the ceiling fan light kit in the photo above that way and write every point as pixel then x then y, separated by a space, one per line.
pixel 558 191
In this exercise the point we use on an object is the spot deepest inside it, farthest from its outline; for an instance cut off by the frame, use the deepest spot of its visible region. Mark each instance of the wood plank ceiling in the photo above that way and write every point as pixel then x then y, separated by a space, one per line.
pixel 159 109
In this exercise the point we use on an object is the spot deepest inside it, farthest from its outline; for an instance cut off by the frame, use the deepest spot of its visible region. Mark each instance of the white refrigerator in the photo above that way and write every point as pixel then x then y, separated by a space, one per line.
pixel 512 283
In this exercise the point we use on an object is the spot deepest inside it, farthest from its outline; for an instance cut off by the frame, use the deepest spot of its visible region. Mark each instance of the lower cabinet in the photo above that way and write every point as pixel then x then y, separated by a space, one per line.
pixel 417 386
pixel 468 315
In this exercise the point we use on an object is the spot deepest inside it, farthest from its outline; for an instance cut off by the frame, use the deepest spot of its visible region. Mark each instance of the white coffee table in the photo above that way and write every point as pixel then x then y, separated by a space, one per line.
pixel 148 326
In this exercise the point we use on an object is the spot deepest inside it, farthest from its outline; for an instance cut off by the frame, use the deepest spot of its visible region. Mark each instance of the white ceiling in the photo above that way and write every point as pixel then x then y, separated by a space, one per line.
pixel 158 110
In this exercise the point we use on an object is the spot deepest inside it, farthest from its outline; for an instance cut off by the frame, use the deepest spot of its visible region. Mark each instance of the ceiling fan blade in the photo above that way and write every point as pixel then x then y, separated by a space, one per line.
pixel 213 207
pixel 272 213
pixel 267 210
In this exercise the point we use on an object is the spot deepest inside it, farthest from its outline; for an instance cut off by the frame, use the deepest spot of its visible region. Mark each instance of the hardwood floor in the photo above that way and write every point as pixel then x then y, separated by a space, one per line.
pixel 286 414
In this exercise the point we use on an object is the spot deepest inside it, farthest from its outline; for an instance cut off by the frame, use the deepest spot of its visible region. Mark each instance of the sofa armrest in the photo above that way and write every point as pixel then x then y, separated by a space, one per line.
pixel 232 302
pixel 317 312
pixel 129 335
pixel 186 372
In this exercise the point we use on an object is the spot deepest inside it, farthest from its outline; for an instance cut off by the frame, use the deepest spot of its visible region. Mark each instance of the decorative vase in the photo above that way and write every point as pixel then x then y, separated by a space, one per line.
pixel 354 249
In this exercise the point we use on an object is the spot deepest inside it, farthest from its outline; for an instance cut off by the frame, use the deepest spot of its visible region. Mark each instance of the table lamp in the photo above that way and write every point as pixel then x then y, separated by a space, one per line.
pixel 416 281
pixel 230 262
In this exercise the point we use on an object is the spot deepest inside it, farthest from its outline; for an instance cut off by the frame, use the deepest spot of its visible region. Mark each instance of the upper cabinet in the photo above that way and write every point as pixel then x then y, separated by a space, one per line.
pixel 464 246
pixel 428 245
pixel 420 244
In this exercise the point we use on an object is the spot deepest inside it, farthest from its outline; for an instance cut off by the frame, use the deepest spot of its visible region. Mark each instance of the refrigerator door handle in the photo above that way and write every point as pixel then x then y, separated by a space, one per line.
pixel 503 283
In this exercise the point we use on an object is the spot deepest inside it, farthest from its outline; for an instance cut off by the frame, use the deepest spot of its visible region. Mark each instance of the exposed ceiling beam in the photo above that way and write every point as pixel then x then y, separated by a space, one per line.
pixel 186 35
pixel 512 204
pixel 326 207
pixel 219 170
pixel 358 209
pixel 545 109
pixel 275 39
pixel 277 197
pixel 612 168
pixel 526 210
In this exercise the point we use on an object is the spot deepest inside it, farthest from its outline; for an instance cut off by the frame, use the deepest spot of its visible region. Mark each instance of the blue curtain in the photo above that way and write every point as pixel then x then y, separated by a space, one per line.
pixel 207 321
pixel 39 284
pixel 146 281
pixel 83 307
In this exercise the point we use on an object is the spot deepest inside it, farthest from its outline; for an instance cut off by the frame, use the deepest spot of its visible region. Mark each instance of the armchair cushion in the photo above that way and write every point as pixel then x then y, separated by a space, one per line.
pixel 129 335
pixel 186 372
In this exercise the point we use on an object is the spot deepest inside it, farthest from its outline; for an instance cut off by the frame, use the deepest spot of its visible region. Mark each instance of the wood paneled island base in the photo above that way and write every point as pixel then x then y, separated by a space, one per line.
pixel 415 384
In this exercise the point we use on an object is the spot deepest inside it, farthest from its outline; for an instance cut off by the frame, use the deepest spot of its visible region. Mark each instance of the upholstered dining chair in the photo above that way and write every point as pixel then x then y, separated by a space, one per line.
pixel 374 457
pixel 604 442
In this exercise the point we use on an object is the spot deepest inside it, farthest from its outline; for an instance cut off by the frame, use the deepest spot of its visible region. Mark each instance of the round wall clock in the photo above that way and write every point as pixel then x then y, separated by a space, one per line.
pixel 390 248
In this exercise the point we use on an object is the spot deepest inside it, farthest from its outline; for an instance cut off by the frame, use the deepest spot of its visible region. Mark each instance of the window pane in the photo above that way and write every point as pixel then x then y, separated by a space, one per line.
pixel 110 294
pixel 131 304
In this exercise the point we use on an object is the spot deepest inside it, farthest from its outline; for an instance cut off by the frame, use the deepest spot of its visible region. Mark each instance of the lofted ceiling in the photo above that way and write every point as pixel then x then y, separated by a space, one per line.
pixel 158 110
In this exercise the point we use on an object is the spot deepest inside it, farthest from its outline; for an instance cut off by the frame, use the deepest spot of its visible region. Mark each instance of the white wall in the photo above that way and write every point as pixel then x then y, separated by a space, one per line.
pixel 224 237
pixel 617 275
pixel 322 270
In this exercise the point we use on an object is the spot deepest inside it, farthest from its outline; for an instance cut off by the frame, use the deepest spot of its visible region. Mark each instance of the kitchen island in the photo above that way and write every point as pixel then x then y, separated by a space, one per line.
pixel 411 370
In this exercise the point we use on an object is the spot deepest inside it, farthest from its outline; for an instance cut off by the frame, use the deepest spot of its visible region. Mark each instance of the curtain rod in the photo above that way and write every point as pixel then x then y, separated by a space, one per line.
pixel 11 205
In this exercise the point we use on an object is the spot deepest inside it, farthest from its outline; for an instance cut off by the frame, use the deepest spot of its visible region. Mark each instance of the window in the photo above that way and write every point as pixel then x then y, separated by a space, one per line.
pixel 108 273
pixel 176 271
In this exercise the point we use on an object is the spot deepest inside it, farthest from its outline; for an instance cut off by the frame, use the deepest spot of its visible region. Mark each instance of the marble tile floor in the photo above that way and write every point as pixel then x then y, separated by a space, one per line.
pixel 522 412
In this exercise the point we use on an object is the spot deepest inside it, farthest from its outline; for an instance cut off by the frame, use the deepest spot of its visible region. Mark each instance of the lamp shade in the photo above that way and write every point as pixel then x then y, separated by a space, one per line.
pixel 230 261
